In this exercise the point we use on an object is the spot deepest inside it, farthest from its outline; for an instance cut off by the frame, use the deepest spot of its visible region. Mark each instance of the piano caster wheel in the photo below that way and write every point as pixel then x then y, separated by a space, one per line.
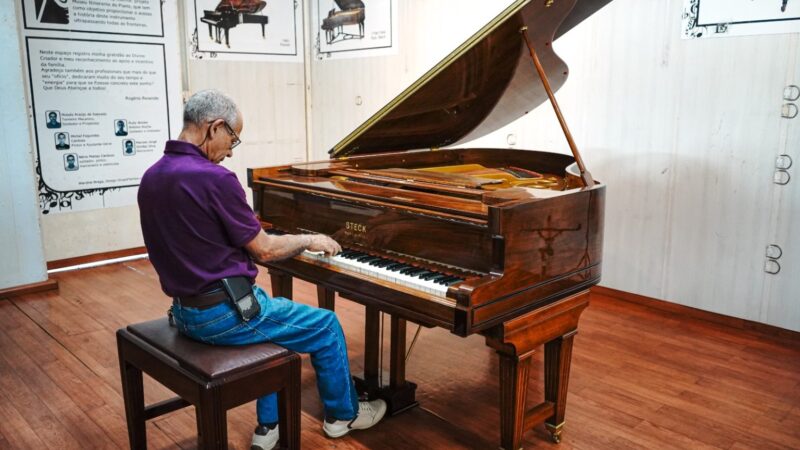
pixel 556 436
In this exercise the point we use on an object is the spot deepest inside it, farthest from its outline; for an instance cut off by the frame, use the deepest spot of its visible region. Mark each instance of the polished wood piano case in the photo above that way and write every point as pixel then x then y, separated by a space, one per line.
pixel 512 238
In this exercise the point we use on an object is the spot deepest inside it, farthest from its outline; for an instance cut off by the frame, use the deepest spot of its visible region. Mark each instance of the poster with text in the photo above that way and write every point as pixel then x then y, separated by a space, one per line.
pixel 245 30
pixel 721 18
pixel 100 112
pixel 354 28
pixel 104 91
pixel 132 17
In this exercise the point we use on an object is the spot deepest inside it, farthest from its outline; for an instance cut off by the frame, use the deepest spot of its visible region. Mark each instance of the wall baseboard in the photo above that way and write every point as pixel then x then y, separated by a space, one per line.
pixel 42 286
pixel 61 263
pixel 688 311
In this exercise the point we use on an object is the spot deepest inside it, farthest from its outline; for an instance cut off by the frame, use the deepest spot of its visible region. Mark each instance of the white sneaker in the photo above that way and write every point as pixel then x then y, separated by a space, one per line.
pixel 264 438
pixel 369 413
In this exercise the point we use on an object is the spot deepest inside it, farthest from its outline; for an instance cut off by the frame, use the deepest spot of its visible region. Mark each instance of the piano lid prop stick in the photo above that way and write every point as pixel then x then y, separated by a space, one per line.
pixel 588 181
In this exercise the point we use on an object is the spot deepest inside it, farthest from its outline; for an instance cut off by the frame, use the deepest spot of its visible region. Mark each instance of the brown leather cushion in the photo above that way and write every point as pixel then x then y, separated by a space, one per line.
pixel 207 361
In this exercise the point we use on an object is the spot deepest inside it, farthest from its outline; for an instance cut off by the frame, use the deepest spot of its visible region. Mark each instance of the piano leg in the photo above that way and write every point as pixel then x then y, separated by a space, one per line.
pixel 557 358
pixel 326 298
pixel 263 31
pixel 400 394
pixel 372 341
pixel 553 326
pixel 281 284
pixel 227 37
pixel 210 36
pixel 513 394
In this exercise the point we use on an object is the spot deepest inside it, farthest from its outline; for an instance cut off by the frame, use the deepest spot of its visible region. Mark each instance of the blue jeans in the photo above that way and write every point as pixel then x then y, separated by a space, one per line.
pixel 295 326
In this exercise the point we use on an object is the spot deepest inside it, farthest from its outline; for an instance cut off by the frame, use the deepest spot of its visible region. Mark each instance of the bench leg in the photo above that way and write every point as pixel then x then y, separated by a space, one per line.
pixel 133 393
pixel 289 408
pixel 212 422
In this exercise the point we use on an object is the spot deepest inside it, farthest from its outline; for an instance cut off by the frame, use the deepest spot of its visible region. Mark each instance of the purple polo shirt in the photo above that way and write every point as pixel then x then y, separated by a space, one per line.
pixel 195 221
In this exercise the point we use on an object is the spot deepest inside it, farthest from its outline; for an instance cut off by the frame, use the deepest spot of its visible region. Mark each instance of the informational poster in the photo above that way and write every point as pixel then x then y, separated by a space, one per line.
pixel 100 111
pixel 354 28
pixel 245 30
pixel 721 18
pixel 133 17
pixel 103 99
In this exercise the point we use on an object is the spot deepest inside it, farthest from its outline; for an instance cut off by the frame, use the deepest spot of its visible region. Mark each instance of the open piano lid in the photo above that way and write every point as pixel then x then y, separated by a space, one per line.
pixel 486 83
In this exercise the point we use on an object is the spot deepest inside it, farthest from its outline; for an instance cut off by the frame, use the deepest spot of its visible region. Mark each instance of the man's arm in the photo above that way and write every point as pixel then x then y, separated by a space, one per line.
pixel 265 247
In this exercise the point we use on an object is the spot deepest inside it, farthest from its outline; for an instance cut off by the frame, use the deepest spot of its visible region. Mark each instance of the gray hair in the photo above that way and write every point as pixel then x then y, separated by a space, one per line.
pixel 210 105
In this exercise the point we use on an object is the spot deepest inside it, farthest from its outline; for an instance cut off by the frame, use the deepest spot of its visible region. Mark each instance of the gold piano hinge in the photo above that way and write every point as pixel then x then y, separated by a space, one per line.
pixel 548 3
pixel 433 149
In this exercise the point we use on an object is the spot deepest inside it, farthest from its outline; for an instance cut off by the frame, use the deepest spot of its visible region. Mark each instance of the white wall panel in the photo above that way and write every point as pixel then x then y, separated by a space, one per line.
pixel 272 99
pixel 21 256
pixel 781 301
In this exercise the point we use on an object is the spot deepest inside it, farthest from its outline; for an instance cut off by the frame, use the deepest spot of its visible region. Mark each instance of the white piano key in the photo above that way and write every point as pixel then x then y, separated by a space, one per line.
pixel 381 273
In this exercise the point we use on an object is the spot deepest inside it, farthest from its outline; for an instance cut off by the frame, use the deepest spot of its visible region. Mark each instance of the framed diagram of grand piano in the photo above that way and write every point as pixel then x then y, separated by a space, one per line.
pixel 354 28
pixel 722 18
pixel 245 29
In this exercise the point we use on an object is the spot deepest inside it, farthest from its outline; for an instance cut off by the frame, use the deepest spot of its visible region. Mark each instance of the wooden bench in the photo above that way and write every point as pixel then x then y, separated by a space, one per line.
pixel 212 378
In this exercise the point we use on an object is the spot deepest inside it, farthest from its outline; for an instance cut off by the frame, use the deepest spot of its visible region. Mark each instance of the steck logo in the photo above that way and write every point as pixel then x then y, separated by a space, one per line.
pixel 357 227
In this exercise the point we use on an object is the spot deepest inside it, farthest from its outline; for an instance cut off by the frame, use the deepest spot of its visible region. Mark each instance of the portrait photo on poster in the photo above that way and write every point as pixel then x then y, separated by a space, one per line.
pixel 53 119
pixel 120 127
pixel 70 162
pixel 128 147
pixel 62 140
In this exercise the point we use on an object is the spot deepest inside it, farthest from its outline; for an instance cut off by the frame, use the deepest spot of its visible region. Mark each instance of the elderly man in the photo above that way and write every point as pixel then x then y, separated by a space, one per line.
pixel 202 238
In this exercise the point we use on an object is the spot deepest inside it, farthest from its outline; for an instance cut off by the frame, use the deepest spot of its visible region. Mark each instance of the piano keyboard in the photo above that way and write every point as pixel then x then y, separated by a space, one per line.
pixel 386 269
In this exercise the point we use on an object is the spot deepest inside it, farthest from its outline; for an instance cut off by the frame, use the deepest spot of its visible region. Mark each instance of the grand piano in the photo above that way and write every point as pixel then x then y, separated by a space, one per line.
pixel 351 13
pixel 230 13
pixel 500 242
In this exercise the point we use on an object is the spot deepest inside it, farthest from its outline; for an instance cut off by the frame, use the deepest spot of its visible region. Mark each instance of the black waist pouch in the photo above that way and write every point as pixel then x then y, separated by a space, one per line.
pixel 240 291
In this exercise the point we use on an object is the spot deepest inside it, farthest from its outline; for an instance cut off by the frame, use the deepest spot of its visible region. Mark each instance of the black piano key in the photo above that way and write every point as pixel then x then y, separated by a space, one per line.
pixel 407 270
pixel 447 280
pixel 415 271
pixel 395 267
pixel 438 277
pixel 431 275
pixel 384 263
pixel 365 258
pixel 457 280
pixel 423 274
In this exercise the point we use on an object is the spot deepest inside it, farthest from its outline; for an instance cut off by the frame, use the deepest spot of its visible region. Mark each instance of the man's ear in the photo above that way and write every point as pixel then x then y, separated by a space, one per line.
pixel 215 126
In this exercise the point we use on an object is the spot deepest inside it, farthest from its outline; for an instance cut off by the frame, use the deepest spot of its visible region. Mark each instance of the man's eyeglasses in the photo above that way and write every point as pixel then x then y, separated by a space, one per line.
pixel 236 141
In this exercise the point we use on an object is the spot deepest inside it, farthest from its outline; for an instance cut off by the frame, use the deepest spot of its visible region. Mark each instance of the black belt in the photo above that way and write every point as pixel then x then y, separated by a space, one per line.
pixel 204 301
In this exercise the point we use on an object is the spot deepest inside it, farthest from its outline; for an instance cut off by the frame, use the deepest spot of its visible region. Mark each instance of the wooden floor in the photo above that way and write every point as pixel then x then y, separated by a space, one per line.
pixel 641 378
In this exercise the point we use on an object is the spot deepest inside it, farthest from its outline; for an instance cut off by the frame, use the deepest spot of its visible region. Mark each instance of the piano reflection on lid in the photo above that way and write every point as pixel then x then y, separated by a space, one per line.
pixel 499 242
pixel 230 13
